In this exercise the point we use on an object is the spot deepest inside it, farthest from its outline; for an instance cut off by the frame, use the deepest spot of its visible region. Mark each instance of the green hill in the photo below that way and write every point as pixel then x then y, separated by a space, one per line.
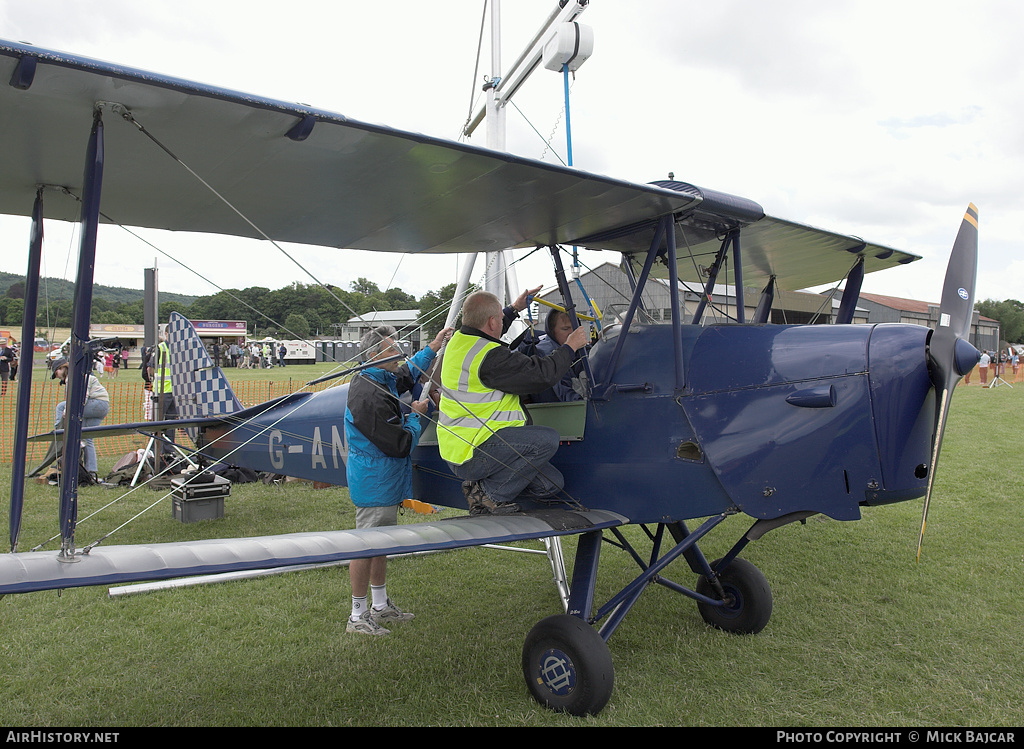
pixel 58 288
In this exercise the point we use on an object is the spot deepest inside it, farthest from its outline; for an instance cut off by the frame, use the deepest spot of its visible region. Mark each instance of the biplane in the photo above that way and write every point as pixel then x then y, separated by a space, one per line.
pixel 684 423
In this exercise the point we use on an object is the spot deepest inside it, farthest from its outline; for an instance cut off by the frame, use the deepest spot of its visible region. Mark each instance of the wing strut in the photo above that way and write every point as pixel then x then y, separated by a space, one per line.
pixel 677 320
pixel 80 356
pixel 737 261
pixel 570 305
pixel 764 304
pixel 709 286
pixel 851 293
pixel 35 251
pixel 665 224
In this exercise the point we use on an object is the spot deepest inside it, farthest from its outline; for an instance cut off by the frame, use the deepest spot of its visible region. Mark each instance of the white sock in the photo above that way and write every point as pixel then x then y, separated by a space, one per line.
pixel 380 596
pixel 358 607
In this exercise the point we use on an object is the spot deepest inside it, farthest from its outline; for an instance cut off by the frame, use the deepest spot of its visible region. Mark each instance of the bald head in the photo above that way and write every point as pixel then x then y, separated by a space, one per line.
pixel 479 307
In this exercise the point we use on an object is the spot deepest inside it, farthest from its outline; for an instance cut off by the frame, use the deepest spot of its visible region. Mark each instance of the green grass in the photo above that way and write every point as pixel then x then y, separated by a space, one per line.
pixel 299 374
pixel 861 634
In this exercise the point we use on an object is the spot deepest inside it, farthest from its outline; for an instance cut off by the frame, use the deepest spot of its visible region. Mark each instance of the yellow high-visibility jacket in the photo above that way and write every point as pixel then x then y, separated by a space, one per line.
pixel 476 411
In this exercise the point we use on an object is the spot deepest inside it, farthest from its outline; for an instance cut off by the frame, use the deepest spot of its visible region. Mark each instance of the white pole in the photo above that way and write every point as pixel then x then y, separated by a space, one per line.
pixel 460 290
pixel 495 281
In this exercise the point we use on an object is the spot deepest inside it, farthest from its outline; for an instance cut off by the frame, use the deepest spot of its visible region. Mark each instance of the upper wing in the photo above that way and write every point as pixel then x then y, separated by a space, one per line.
pixel 302 175
pixel 315 177
pixel 27 572
pixel 797 256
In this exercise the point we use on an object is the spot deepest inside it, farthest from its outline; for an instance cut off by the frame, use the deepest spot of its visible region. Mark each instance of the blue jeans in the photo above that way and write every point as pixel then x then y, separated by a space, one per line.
pixel 94 413
pixel 513 462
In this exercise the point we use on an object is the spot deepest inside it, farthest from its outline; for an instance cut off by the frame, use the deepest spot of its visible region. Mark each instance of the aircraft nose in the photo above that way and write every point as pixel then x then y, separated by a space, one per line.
pixel 903 408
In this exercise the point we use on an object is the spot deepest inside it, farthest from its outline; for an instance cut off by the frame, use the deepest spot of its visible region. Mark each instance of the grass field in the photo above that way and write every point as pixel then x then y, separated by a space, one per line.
pixel 861 634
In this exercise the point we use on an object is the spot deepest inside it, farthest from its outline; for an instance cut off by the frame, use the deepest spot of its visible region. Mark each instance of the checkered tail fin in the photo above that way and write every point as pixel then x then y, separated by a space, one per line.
pixel 200 388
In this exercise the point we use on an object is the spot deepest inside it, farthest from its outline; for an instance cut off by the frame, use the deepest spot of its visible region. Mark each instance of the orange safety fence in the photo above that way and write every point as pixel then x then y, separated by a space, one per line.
pixel 127 405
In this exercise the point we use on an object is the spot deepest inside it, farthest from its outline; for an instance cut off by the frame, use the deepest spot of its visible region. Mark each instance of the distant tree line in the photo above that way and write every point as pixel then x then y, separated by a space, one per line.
pixel 299 310
pixel 1010 314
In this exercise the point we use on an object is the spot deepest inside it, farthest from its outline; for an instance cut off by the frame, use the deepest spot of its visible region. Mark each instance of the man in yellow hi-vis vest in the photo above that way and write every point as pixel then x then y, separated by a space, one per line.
pixel 483 430
pixel 163 392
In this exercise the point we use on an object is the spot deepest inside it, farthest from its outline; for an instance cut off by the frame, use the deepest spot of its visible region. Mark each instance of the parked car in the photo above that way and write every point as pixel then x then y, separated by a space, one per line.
pixel 57 352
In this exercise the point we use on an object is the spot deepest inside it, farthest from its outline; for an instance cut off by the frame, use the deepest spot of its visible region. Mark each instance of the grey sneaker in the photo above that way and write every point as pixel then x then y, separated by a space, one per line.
pixel 390 613
pixel 365 625
pixel 481 504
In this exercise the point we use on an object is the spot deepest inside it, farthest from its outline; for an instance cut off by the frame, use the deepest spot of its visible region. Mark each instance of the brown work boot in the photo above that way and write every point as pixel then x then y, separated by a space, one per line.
pixel 481 504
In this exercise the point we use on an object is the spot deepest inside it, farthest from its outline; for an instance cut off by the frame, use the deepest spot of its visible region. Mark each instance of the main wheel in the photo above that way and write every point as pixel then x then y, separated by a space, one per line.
pixel 567 665
pixel 748 599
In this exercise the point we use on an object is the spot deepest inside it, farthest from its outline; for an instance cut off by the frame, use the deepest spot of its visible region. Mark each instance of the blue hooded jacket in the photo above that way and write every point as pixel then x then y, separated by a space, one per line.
pixel 380 437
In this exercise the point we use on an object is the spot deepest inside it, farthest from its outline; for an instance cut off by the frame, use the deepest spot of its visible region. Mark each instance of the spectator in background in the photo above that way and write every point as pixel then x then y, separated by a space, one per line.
pixel 7 358
pixel 163 392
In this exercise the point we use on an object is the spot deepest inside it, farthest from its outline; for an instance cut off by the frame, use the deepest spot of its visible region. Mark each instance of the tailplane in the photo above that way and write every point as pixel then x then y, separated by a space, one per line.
pixel 200 388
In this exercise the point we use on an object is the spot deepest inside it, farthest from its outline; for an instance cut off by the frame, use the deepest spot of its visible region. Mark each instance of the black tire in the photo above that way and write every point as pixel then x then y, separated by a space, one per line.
pixel 567 665
pixel 749 599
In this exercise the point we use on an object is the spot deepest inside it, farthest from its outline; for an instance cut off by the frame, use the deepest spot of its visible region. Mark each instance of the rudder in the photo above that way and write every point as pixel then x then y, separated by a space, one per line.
pixel 200 388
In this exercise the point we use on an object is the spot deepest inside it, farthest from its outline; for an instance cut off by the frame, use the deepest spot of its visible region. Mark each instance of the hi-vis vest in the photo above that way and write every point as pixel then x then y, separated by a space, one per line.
pixel 479 411
pixel 162 370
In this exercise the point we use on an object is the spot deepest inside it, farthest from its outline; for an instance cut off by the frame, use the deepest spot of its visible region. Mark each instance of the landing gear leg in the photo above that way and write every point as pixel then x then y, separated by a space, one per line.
pixel 566 662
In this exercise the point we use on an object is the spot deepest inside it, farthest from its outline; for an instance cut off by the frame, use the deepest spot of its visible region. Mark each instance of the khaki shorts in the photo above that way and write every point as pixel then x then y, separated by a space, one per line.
pixel 374 517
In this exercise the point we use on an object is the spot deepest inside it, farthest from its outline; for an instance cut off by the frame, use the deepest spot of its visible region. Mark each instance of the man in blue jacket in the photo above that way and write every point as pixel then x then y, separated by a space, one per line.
pixel 379 467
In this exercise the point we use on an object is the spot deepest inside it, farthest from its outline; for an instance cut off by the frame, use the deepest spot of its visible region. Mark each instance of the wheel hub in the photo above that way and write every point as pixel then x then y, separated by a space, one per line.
pixel 557 672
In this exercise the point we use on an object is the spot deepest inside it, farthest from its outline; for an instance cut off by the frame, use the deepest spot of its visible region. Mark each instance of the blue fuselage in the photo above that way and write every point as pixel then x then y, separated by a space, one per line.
pixel 772 420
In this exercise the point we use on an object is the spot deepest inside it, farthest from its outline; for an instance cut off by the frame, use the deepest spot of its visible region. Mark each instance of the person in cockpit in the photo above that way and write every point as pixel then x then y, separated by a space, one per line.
pixel 557 327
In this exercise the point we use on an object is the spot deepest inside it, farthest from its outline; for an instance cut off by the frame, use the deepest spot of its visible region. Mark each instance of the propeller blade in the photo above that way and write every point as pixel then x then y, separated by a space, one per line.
pixel 957 305
pixel 950 353
pixel 940 426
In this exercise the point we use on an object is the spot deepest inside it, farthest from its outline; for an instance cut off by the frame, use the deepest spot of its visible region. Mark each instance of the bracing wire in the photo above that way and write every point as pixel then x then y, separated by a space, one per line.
pixel 131 119
pixel 473 97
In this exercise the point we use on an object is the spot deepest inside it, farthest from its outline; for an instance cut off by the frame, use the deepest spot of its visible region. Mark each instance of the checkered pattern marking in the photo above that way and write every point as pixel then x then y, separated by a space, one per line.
pixel 200 389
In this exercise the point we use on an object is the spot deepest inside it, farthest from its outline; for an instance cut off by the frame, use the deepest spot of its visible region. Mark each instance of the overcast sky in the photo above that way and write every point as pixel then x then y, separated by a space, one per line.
pixel 882 120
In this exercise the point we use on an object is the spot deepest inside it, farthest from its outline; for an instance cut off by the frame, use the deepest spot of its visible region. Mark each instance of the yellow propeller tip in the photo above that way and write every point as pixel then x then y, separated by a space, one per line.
pixel 971 216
